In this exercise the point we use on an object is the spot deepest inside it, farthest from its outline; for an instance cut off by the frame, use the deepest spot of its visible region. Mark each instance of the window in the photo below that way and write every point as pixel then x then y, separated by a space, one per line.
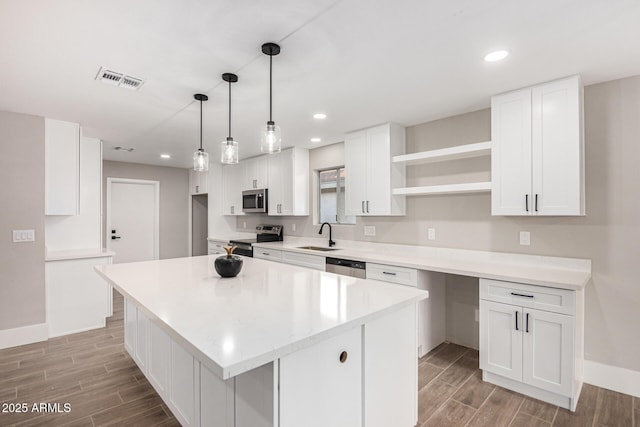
pixel 331 197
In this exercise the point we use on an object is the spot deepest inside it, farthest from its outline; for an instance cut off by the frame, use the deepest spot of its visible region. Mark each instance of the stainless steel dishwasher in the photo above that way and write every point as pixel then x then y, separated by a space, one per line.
pixel 347 267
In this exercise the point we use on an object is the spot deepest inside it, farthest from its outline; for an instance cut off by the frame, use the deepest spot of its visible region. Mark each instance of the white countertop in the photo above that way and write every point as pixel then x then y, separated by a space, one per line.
pixel 269 310
pixel 565 273
pixel 78 254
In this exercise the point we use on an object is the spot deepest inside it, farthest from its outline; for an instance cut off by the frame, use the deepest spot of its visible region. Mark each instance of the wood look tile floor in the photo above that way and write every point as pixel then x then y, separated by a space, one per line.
pixel 93 373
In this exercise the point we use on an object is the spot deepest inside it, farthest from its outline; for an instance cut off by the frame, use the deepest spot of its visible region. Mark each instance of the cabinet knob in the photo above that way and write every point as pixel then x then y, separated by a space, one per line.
pixel 343 357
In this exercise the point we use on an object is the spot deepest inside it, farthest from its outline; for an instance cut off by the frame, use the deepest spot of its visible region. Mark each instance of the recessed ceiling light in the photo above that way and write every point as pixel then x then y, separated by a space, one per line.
pixel 320 116
pixel 496 56
pixel 165 156
pixel 316 139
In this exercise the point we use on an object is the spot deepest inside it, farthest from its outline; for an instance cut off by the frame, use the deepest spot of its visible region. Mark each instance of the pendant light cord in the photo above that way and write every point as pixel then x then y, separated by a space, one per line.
pixel 229 108
pixel 270 88
pixel 201 125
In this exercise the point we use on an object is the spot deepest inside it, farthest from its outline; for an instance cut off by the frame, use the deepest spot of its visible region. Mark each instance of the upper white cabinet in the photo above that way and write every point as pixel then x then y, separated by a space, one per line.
pixel 232 182
pixel 370 173
pixel 256 173
pixel 289 182
pixel 62 167
pixel 198 182
pixel 537 154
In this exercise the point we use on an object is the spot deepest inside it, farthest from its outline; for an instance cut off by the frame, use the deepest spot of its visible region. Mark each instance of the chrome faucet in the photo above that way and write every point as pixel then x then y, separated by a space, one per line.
pixel 331 242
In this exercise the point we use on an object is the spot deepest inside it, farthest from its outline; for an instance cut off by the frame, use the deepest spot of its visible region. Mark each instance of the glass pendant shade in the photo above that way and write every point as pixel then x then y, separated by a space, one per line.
pixel 200 161
pixel 229 151
pixel 271 138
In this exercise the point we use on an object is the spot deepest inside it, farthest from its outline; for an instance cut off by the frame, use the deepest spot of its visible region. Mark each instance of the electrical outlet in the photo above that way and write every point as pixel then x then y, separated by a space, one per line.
pixel 293 227
pixel 525 238
pixel 20 236
pixel 431 233
pixel 370 230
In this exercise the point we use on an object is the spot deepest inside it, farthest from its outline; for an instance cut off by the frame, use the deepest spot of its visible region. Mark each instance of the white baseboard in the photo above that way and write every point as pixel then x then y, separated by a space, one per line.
pixel 24 335
pixel 613 378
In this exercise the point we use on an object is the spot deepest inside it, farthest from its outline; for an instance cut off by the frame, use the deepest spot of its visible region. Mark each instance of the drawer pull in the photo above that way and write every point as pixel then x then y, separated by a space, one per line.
pixel 521 295
pixel 526 328
pixel 388 273
pixel 516 320
pixel 343 357
pixel 265 253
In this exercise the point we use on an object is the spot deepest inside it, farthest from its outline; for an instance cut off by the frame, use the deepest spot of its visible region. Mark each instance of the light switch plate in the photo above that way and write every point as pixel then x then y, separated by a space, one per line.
pixel 370 230
pixel 431 233
pixel 20 236
pixel 525 238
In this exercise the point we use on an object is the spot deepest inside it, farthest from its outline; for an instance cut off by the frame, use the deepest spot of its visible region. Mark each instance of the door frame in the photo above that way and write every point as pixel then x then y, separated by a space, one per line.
pixel 156 208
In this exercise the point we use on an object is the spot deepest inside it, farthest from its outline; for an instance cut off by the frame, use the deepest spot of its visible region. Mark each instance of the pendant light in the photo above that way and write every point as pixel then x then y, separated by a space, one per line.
pixel 229 148
pixel 200 157
pixel 271 137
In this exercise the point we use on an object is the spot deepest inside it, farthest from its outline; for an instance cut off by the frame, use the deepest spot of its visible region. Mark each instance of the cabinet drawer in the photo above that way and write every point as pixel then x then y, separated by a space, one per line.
pixel 388 273
pixel 270 254
pixel 304 260
pixel 538 297
pixel 216 247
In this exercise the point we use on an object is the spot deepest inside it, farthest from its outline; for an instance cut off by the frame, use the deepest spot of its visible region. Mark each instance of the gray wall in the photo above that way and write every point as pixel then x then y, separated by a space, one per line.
pixel 174 200
pixel 609 234
pixel 22 191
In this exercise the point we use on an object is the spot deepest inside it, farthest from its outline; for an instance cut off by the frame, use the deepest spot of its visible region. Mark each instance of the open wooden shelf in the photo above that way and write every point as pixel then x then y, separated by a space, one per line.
pixel 470 187
pixel 442 154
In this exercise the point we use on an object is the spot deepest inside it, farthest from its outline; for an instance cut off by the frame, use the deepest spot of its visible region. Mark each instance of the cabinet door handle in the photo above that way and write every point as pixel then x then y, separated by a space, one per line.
pixel 343 357
pixel 197 188
pixel 517 320
pixel 389 273
pixel 521 295
pixel 536 203
pixel 526 327
pixel 367 206
pixel 526 202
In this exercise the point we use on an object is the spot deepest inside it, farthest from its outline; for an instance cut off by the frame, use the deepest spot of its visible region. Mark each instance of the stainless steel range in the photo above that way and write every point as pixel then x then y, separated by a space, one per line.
pixel 265 233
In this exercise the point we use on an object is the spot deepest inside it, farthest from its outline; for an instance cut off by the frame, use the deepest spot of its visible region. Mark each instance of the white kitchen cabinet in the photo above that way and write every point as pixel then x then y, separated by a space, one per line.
pixel 268 254
pixel 256 173
pixel 316 262
pixel 76 298
pixel 289 182
pixel 130 326
pixel 537 153
pixel 185 386
pixel 304 376
pixel 198 182
pixel 142 341
pixel 61 167
pixel 216 247
pixel 370 175
pixel 527 348
pixel 159 359
pixel 232 182
pixel 431 311
pixel 389 341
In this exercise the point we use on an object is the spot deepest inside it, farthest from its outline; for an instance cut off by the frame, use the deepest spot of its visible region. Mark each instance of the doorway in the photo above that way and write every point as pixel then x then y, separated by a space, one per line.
pixel 199 224
pixel 132 231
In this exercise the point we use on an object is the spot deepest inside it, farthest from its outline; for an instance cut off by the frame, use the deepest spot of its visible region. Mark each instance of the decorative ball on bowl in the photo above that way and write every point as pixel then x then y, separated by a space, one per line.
pixel 228 265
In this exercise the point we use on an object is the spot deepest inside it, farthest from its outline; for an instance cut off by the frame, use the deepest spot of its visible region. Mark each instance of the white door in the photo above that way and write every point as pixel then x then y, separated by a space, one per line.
pixel 501 339
pixel 378 201
pixel 511 153
pixel 132 219
pixel 548 351
pixel 557 160
pixel 355 160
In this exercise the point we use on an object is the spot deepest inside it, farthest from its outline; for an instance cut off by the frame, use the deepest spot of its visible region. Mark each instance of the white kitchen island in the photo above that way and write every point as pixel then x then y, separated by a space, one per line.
pixel 278 345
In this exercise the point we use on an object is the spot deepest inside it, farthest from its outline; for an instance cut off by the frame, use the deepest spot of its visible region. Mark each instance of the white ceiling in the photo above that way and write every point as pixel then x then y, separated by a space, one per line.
pixel 362 62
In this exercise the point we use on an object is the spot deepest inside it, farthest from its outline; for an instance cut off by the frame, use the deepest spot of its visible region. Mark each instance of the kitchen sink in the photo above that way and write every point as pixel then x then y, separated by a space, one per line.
pixel 317 248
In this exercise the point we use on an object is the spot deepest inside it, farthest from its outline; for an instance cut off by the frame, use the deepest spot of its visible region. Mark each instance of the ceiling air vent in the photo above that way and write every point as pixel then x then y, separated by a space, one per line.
pixel 123 149
pixel 115 78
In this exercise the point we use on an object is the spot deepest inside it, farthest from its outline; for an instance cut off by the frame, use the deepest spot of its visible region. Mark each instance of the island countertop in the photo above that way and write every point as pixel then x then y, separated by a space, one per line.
pixel 269 310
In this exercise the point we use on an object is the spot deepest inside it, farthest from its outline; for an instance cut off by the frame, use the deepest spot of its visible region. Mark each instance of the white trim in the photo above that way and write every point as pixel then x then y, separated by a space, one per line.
pixel 613 378
pixel 24 335
pixel 156 225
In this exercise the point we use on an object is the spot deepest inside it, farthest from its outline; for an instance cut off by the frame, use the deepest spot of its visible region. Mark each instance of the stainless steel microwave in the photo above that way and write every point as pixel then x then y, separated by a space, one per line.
pixel 255 201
